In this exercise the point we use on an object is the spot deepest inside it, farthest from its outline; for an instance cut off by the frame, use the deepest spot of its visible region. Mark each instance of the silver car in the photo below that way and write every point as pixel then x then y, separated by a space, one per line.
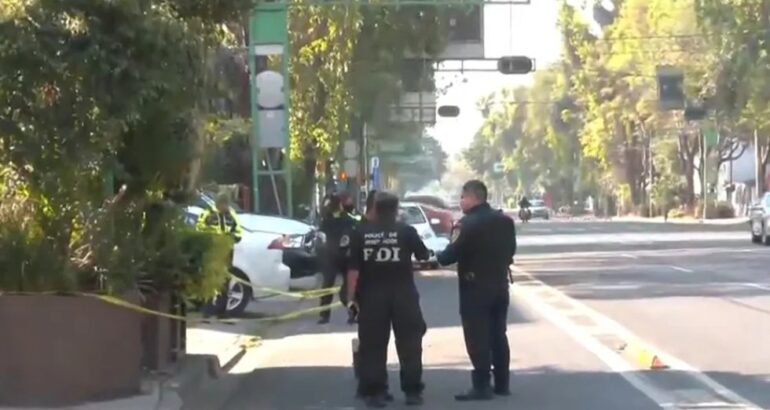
pixel 760 221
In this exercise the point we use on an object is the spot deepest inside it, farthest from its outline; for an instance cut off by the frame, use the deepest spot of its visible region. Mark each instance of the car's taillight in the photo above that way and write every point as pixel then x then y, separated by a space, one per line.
pixel 278 243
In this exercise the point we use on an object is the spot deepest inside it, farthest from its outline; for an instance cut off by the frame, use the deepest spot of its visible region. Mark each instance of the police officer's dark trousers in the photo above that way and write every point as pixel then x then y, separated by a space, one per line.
pixel 484 314
pixel 383 306
pixel 332 267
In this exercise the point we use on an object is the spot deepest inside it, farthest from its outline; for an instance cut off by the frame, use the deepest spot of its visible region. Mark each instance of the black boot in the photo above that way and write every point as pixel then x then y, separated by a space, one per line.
pixel 476 394
pixel 502 384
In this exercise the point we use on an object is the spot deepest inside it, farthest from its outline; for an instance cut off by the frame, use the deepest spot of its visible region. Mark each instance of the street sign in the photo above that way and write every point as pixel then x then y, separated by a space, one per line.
pixel 391 147
pixel 712 137
pixel 350 149
pixel 375 172
pixel 351 167
pixel 498 168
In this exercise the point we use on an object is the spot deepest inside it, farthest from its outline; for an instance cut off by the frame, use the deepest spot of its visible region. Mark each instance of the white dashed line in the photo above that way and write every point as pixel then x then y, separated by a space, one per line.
pixel 681 269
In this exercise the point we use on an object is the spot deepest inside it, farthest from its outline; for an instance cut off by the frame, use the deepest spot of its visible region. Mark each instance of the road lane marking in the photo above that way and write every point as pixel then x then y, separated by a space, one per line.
pixel 605 354
pixel 611 358
pixel 669 252
pixel 756 286
pixel 681 269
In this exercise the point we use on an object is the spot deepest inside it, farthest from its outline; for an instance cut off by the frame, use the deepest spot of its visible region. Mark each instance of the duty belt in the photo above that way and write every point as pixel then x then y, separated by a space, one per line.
pixel 468 276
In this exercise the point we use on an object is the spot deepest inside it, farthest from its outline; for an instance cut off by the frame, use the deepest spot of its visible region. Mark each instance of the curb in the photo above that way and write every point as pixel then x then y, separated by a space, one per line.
pixel 642 356
pixel 202 381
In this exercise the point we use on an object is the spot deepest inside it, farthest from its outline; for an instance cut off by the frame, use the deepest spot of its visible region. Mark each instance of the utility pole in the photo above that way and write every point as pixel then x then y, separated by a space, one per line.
pixel 648 137
pixel 704 183
pixel 758 171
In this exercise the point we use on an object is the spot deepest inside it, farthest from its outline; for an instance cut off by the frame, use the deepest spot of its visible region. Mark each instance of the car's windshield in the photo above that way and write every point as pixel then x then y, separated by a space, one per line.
pixel 537 202
pixel 411 215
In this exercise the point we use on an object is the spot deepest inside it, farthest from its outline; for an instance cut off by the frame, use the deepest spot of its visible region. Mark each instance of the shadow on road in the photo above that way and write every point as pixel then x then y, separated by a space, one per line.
pixel 656 282
pixel 542 388
pixel 438 297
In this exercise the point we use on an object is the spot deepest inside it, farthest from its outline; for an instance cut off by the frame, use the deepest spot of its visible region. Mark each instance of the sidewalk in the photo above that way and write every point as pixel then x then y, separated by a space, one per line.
pixel 683 221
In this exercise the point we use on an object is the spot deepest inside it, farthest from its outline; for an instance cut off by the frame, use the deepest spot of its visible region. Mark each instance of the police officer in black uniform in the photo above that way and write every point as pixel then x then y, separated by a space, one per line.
pixel 336 224
pixel 383 292
pixel 483 248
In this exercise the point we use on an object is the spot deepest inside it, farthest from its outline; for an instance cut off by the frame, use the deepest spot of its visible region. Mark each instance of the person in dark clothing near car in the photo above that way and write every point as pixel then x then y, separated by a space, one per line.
pixel 383 293
pixel 336 224
pixel 483 248
pixel 349 206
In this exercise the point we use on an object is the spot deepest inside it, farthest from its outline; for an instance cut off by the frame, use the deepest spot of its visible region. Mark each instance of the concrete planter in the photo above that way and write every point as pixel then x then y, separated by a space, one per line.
pixel 65 350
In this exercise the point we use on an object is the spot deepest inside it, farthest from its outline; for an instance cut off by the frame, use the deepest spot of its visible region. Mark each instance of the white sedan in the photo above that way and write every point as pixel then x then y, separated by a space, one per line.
pixel 412 214
pixel 273 253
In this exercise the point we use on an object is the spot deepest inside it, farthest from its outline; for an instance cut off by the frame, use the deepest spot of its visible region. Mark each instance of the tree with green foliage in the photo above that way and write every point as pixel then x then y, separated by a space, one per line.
pixel 92 88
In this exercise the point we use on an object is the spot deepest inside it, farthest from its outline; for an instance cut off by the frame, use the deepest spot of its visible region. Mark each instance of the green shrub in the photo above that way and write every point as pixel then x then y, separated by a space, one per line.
pixel 108 249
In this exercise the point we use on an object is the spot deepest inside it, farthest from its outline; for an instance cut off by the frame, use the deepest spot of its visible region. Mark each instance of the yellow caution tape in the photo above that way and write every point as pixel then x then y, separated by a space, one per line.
pixel 141 309
pixel 308 294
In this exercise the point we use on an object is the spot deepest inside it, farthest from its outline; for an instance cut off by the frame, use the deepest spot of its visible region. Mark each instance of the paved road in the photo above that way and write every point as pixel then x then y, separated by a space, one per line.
pixel 700 301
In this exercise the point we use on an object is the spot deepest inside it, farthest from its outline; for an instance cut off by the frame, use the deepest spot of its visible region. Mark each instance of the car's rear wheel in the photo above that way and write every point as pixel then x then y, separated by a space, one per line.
pixel 238 294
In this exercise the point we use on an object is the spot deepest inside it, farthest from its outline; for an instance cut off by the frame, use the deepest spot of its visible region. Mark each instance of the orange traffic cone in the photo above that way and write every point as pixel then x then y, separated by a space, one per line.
pixel 657 364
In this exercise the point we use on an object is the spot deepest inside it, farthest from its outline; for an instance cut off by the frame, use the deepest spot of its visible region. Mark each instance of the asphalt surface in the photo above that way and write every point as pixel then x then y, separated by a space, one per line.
pixel 695 296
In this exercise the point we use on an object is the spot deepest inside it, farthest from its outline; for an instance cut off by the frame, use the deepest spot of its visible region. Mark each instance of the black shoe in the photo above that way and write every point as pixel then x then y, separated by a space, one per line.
pixel 476 395
pixel 323 321
pixel 388 397
pixel 375 402
pixel 503 392
pixel 414 400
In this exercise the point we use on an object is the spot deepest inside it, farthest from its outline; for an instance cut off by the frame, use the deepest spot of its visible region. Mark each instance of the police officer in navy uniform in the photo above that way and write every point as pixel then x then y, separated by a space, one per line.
pixel 383 293
pixel 336 224
pixel 483 247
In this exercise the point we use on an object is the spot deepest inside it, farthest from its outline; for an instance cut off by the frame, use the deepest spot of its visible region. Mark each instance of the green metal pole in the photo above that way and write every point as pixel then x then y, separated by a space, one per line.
pixel 287 101
pixel 254 137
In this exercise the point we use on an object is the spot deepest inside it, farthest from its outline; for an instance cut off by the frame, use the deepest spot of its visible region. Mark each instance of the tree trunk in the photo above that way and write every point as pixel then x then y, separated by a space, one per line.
pixel 687 151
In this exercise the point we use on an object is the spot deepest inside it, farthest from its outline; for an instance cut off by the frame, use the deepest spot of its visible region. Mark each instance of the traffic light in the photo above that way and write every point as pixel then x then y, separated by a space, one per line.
pixel 670 88
pixel 515 65
pixel 694 112
pixel 448 111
